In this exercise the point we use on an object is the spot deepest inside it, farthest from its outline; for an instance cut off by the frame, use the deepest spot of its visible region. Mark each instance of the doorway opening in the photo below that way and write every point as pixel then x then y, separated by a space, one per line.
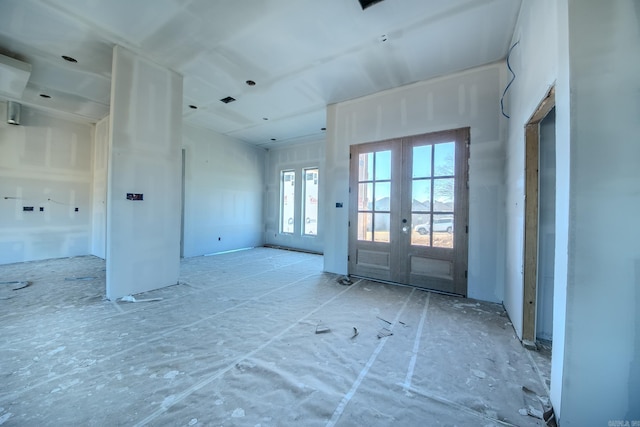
pixel 539 229
pixel 409 208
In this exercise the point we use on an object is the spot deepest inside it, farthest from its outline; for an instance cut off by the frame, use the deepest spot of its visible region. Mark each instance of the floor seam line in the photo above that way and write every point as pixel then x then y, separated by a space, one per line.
pixel 458 406
pixel 147 342
pixel 363 373
pixel 416 344
pixel 220 373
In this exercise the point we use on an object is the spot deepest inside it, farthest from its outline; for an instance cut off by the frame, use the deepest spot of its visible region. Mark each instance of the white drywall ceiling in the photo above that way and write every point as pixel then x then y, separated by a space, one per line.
pixel 302 54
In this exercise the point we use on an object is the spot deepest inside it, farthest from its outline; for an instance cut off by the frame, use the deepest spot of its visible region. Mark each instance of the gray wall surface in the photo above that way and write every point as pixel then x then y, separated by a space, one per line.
pixel 224 193
pixel 99 193
pixel 46 162
pixel 467 99
pixel 143 236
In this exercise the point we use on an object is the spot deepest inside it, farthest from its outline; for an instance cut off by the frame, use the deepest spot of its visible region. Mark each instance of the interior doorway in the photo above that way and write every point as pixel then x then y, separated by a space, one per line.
pixel 539 229
pixel 408 217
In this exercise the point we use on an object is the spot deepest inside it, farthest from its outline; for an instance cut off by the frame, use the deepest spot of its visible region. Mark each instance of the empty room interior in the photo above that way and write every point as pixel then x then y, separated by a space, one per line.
pixel 337 213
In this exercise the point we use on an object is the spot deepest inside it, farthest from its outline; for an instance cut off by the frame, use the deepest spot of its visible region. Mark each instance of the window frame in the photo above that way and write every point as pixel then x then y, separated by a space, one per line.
pixel 282 213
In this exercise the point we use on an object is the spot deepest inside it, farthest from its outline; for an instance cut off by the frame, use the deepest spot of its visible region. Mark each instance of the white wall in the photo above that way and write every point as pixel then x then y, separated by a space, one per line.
pixel 224 193
pixel 99 192
pixel 535 62
pixel 601 379
pixel 467 99
pixel 143 237
pixel 295 158
pixel 45 162
pixel 590 49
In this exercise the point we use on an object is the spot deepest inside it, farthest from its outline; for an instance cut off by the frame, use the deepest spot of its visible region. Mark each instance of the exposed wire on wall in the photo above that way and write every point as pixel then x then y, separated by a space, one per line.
pixel 513 77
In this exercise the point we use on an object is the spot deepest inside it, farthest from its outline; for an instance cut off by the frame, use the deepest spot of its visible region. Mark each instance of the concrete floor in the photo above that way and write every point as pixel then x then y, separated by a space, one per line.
pixel 235 343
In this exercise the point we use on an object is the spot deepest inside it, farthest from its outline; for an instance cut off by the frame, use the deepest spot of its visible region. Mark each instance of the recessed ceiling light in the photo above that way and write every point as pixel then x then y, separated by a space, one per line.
pixel 265 118
pixel 44 95
pixel 228 99
pixel 69 59
pixel 273 139
pixel 193 107
pixel 250 82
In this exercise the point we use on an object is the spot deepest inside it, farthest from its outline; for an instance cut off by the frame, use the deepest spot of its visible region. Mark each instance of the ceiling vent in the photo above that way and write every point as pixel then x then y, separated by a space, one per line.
pixel 367 3
pixel 14 75
pixel 228 99
pixel 13 113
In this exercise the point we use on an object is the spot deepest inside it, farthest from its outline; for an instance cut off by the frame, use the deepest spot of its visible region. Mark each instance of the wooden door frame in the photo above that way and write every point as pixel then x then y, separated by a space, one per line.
pixel 531 202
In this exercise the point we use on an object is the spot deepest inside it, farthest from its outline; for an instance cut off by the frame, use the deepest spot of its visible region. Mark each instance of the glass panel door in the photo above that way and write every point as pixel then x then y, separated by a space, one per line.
pixel 408 206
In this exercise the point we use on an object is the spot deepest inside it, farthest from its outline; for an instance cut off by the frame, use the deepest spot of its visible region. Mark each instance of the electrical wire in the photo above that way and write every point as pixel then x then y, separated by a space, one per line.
pixel 513 77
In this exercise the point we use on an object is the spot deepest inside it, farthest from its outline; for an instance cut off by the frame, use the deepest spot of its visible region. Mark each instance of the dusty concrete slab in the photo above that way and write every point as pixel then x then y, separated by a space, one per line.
pixel 234 343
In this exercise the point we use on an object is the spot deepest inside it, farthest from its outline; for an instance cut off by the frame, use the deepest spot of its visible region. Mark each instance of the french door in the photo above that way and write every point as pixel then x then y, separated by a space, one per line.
pixel 409 209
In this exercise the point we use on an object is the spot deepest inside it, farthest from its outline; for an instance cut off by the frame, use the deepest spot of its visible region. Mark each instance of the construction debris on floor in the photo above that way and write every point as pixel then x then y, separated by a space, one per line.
pixel 233 344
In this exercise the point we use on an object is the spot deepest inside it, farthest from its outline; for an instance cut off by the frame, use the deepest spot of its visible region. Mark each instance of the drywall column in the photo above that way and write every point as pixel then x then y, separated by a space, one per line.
pixel 143 236
pixel 601 373
pixel 99 192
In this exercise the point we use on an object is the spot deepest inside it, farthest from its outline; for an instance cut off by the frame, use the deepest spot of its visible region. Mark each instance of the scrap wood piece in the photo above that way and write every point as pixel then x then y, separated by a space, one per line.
pixel 345 280
pixel 321 328
pixel 22 284
pixel 384 332
pixel 131 298
pixel 384 320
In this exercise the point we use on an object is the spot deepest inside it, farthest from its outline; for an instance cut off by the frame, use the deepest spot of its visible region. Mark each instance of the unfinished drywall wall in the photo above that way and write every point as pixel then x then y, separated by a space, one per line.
pixel 296 158
pixel 467 99
pixel 601 383
pixel 99 192
pixel 534 62
pixel 45 164
pixel 224 193
pixel 143 236
pixel 539 34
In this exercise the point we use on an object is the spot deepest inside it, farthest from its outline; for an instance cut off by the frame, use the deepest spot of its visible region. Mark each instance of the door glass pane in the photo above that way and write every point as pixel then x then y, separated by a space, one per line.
pixel 365 167
pixel 421 195
pixel 365 195
pixel 310 202
pixel 365 224
pixel 422 161
pixel 381 227
pixel 443 231
pixel 383 165
pixel 444 159
pixel 443 194
pixel 420 227
pixel 287 201
pixel 383 191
